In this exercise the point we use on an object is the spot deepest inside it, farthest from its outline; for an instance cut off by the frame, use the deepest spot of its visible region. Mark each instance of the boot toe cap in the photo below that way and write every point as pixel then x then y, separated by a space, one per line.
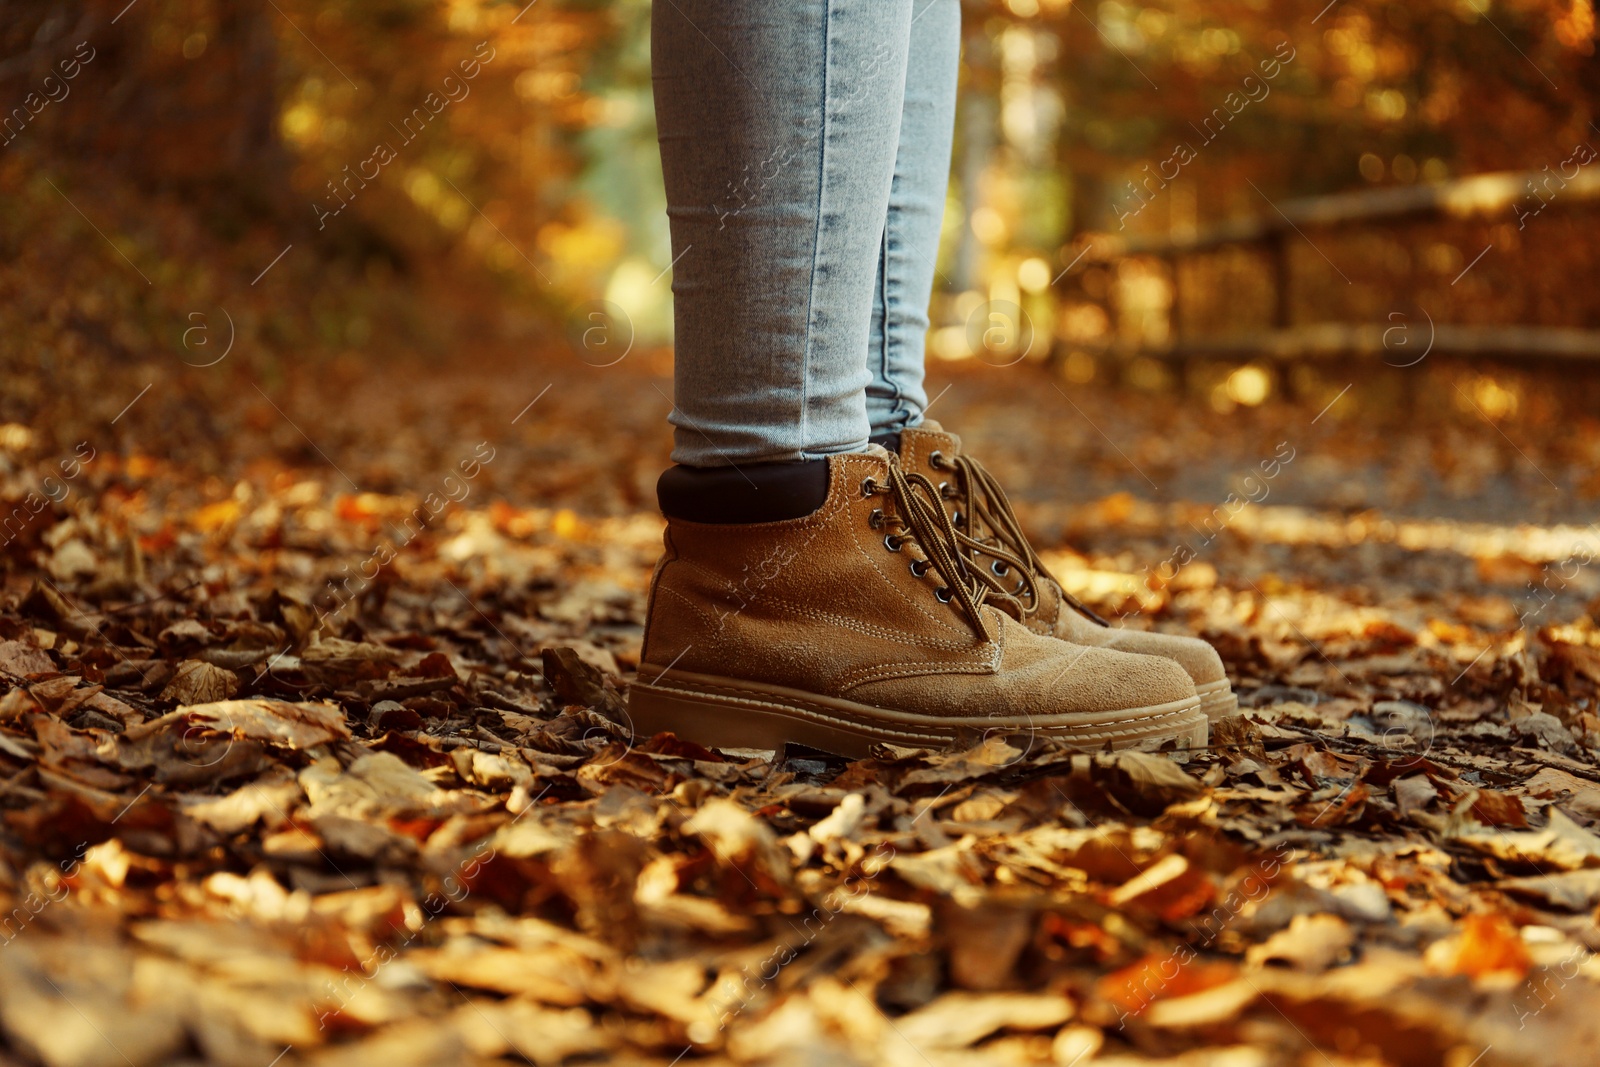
pixel 1061 677
pixel 1198 659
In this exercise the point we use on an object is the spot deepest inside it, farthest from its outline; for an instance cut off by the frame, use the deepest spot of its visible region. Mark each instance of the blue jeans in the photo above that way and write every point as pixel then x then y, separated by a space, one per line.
pixel 806 150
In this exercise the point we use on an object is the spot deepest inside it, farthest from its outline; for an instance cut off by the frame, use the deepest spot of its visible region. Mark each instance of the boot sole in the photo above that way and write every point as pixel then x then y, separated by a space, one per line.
pixel 1217 699
pixel 730 713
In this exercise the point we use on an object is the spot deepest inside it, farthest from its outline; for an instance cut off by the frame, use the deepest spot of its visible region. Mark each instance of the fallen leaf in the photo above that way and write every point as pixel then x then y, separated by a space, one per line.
pixel 197 682
pixel 960 1020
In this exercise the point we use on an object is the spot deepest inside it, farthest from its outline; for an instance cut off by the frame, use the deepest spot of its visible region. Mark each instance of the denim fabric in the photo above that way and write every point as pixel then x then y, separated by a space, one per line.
pixel 805 177
pixel 895 396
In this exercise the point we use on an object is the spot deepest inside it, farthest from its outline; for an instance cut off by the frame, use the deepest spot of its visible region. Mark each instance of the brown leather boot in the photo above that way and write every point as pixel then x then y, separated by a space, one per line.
pixel 862 623
pixel 992 539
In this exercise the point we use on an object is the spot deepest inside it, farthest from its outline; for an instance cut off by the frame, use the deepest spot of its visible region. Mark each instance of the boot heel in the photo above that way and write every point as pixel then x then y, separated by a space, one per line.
pixel 707 722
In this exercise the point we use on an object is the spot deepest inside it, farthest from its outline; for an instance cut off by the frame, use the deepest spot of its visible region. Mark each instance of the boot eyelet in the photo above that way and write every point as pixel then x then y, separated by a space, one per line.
pixel 891 544
pixel 957 519
pixel 1000 569
pixel 875 520
pixel 869 485
pixel 919 567
pixel 943 594
pixel 936 460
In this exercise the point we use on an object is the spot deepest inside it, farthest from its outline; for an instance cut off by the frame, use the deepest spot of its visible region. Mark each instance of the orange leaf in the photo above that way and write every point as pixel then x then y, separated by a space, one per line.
pixel 1499 809
pixel 1489 945
pixel 1153 977
pixel 214 517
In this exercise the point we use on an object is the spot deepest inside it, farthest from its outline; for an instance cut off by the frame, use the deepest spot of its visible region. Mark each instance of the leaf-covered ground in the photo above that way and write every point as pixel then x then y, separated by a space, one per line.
pixel 313 741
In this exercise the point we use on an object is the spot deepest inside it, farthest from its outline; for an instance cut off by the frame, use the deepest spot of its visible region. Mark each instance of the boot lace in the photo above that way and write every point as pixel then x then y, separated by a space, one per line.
pixel 917 517
pixel 995 532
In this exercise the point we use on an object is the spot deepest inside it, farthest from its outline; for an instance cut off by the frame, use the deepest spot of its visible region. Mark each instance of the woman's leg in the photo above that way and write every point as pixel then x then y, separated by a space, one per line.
pixel 779 122
pixel 910 245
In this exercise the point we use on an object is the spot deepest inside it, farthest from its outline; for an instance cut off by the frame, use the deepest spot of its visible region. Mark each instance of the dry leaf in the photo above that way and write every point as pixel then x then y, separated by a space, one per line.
pixel 196 682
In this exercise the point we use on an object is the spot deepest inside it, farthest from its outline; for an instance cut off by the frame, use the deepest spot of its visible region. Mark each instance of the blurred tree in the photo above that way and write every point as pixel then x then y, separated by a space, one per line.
pixel 1159 117
pixel 1365 91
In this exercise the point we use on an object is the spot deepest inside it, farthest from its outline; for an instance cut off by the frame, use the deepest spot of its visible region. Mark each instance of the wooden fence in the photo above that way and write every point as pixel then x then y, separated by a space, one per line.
pixel 1273 234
